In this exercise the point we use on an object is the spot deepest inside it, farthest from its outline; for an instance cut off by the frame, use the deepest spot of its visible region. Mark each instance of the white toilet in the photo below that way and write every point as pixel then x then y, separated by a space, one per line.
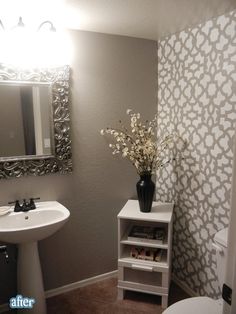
pixel 205 305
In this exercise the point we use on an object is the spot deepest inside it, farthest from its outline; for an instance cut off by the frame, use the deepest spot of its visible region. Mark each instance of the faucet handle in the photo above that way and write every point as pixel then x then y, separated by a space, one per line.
pixel 32 203
pixel 35 198
pixel 17 207
pixel 13 202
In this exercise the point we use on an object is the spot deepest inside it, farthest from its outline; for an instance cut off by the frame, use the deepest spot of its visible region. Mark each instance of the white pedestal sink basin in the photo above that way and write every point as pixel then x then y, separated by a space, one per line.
pixel 25 229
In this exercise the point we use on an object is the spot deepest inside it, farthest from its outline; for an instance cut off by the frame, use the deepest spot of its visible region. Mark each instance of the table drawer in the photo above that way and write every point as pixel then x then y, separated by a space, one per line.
pixel 142 275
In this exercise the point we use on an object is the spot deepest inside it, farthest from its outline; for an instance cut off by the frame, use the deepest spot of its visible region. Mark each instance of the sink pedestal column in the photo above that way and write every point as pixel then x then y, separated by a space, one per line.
pixel 29 277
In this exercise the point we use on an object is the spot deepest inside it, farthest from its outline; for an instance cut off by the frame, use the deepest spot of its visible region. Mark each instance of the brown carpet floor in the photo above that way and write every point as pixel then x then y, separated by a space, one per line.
pixel 101 298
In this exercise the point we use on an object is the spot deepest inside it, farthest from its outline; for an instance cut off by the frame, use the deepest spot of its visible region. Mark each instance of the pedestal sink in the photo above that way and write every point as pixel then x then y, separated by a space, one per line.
pixel 25 229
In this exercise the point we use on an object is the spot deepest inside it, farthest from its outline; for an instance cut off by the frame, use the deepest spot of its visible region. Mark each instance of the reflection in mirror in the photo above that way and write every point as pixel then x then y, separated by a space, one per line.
pixel 25 120
pixel 35 119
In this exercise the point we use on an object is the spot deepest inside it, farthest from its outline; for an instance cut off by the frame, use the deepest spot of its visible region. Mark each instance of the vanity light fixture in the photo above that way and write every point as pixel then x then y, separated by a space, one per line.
pixel 52 28
pixel 21 24
pixel 24 46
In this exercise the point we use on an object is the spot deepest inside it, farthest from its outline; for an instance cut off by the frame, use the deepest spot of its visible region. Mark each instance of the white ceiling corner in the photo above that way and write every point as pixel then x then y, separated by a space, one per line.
pixel 151 19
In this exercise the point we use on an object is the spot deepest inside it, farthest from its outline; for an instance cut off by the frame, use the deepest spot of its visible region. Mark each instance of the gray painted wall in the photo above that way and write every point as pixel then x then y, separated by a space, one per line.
pixel 196 97
pixel 109 74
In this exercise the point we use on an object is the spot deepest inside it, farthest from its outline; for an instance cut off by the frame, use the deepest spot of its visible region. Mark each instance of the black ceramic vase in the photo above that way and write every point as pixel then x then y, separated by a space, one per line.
pixel 145 190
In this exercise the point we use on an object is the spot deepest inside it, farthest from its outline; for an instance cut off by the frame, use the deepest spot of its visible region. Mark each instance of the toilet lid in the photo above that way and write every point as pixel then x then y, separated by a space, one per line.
pixel 203 305
pixel 221 237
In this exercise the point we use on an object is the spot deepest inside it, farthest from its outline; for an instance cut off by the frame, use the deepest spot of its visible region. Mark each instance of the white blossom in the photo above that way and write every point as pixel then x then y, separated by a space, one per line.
pixel 139 145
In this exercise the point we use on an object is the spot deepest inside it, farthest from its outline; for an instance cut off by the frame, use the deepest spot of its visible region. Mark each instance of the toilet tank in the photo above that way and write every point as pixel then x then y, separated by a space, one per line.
pixel 220 245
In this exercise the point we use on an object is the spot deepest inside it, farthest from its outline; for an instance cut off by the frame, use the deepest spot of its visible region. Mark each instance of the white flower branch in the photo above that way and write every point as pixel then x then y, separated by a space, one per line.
pixel 140 146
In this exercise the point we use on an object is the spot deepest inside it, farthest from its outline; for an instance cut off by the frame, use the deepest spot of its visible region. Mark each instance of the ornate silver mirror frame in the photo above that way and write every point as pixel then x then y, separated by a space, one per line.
pixel 62 160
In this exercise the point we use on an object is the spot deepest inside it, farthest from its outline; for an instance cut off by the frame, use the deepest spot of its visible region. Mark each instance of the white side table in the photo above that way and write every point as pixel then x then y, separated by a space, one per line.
pixel 144 275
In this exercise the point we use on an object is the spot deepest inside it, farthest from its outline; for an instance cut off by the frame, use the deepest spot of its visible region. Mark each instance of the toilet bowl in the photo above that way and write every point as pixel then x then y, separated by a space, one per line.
pixel 205 305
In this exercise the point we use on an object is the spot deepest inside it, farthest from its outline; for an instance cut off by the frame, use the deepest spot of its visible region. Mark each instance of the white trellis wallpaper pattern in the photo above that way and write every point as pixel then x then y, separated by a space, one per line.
pixel 197 98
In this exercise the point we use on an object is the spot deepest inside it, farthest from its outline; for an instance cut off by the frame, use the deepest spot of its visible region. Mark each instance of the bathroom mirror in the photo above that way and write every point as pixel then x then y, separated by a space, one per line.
pixel 34 121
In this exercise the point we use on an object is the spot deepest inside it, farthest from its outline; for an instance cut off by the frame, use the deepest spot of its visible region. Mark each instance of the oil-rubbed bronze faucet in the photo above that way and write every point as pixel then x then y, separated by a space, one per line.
pixel 26 206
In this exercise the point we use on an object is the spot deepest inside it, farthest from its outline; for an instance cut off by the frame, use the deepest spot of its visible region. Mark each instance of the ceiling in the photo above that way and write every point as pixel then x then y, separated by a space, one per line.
pixel 152 19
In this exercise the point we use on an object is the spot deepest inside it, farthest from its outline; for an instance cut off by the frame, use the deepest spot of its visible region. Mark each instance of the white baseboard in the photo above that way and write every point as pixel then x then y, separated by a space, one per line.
pixel 184 286
pixel 72 286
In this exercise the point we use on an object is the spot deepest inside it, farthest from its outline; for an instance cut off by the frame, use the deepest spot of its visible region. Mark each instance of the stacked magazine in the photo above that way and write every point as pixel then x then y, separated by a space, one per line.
pixel 149 234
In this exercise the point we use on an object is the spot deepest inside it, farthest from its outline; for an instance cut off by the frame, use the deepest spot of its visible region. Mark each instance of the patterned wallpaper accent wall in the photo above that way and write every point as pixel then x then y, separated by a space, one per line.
pixel 197 98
